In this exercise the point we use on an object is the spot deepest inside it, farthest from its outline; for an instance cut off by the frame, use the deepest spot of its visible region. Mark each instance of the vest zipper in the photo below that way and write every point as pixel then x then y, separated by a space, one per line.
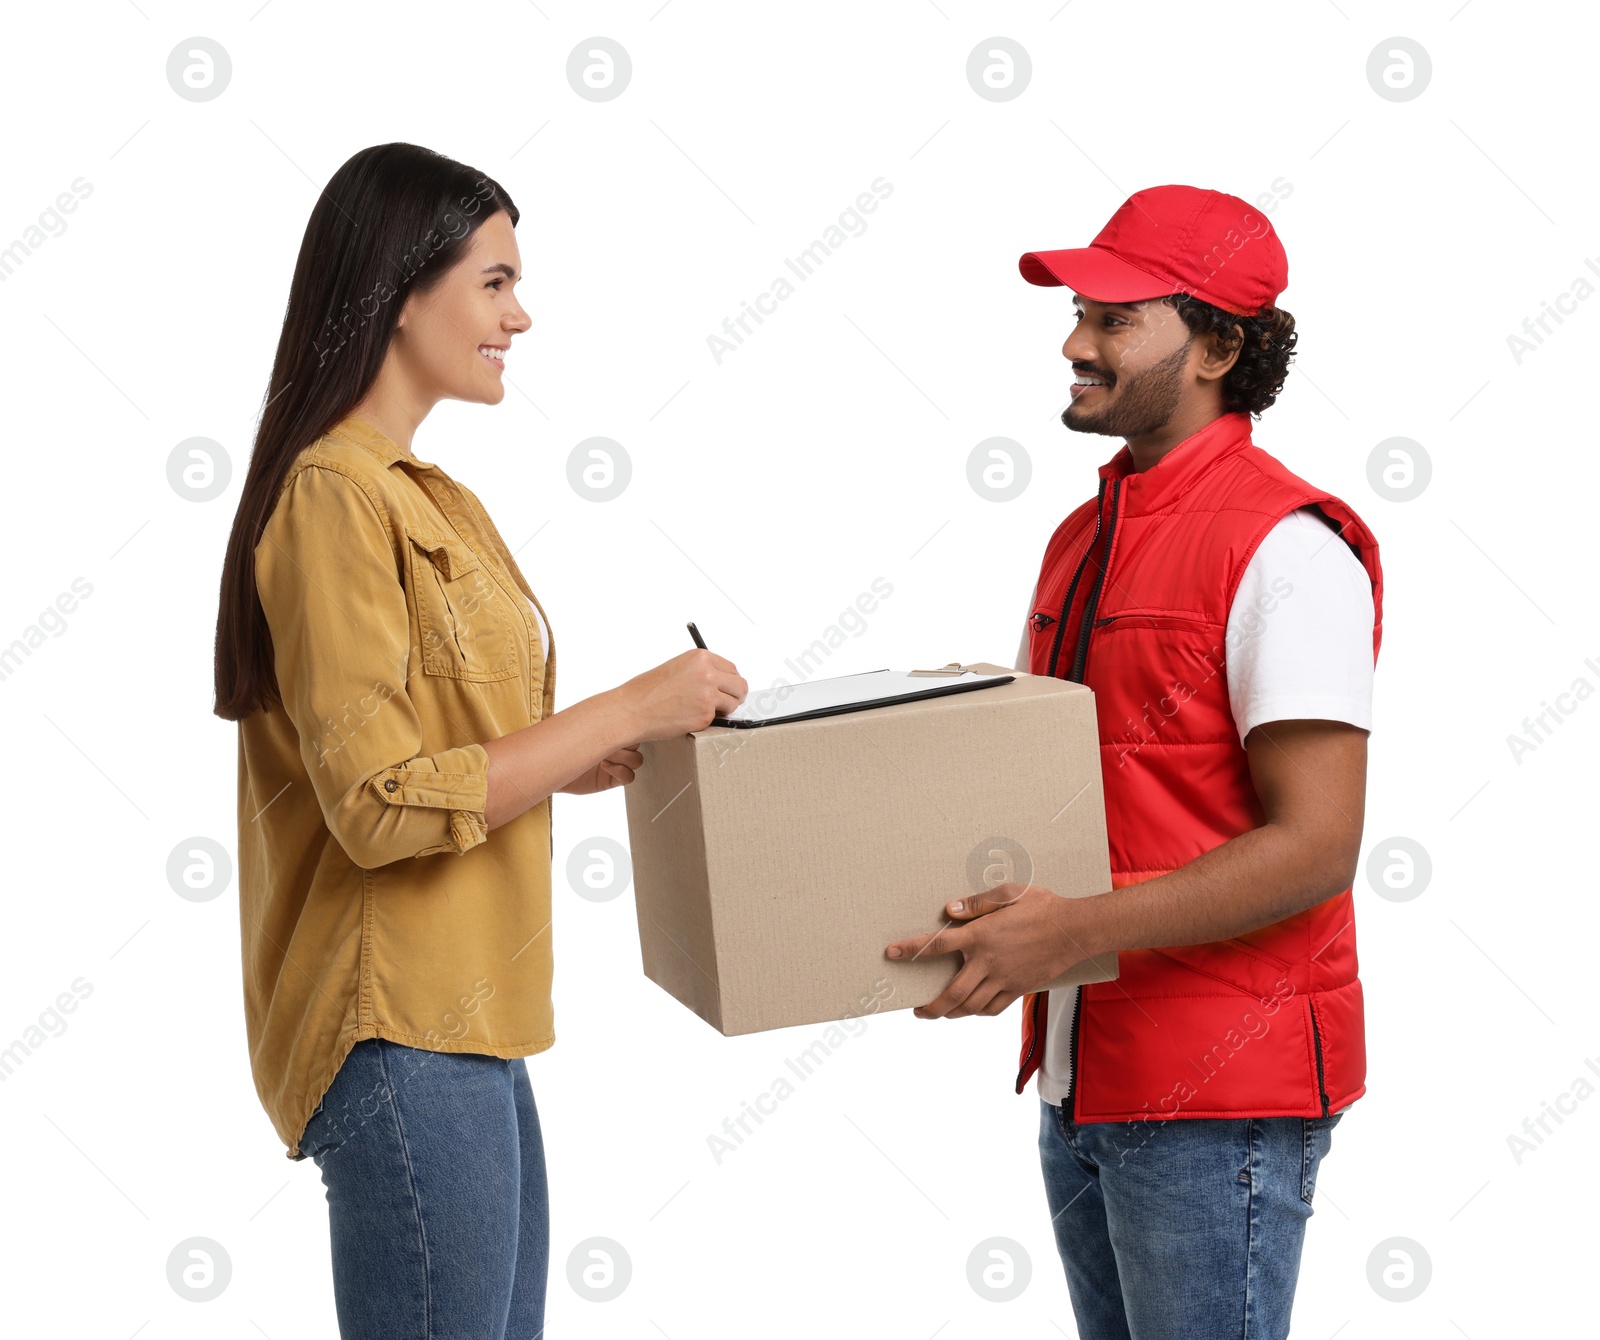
pixel 1080 655
pixel 1316 1040
pixel 1072 1050
pixel 1086 624
pixel 1072 586
pixel 1033 1039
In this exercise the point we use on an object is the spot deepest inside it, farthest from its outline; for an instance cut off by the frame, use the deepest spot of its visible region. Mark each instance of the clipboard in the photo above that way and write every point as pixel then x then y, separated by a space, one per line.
pixel 814 698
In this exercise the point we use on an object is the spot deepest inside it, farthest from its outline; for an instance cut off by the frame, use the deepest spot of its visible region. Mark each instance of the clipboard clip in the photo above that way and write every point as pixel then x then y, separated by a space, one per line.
pixel 953 668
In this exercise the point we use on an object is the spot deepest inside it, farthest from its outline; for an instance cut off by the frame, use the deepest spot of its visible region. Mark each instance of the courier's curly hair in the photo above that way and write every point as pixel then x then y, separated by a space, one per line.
pixel 1256 379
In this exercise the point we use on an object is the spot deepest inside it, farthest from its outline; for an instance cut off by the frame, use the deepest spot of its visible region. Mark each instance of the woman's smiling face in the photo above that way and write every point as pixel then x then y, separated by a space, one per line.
pixel 451 343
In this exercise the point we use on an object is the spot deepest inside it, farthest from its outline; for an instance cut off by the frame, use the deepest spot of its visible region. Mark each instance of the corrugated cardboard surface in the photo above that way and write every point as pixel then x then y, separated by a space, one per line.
pixel 772 865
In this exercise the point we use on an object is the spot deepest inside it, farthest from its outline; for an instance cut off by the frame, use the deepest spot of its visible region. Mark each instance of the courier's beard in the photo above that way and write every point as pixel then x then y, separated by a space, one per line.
pixel 1139 403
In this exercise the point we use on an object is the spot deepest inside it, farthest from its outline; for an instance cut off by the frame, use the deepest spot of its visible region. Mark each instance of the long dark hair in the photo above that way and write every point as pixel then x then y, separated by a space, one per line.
pixel 393 219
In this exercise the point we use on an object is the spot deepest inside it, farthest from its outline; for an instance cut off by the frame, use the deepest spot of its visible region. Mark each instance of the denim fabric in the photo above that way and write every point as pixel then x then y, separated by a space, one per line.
pixel 1181 1229
pixel 437 1202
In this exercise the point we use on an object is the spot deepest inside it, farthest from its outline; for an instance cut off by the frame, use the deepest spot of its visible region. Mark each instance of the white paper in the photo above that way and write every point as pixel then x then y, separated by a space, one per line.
pixel 868 689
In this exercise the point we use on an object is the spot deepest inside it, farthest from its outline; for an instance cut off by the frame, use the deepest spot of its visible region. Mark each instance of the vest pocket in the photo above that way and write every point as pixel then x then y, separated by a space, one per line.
pixel 1234 963
pixel 465 629
pixel 1155 619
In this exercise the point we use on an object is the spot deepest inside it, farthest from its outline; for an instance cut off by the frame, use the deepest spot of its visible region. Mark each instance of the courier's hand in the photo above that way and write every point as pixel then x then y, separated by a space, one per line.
pixel 614 770
pixel 1018 938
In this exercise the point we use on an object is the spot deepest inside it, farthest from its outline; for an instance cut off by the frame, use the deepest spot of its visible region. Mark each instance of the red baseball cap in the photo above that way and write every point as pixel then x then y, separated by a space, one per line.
pixel 1174 239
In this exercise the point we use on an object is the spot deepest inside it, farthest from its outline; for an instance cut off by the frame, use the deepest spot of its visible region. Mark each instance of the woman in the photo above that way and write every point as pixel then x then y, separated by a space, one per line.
pixel 392 675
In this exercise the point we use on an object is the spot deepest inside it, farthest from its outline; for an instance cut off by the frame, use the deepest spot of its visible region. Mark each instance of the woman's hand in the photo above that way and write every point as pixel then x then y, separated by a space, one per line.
pixel 614 770
pixel 581 748
pixel 682 695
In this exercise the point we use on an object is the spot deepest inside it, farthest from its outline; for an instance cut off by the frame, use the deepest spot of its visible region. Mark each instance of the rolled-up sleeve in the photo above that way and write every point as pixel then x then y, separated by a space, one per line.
pixel 341 643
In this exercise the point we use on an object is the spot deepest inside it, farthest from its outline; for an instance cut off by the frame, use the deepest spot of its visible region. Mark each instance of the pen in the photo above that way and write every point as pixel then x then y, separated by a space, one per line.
pixel 698 640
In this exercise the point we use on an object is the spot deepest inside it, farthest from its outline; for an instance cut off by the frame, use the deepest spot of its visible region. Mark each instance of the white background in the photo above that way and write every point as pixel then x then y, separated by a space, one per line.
pixel 767 493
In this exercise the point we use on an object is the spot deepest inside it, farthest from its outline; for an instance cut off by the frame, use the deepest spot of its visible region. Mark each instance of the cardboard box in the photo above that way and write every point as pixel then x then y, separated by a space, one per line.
pixel 772 865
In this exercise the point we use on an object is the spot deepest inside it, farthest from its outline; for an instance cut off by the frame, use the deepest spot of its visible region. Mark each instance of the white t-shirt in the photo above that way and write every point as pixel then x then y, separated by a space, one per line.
pixel 1298 644
pixel 544 633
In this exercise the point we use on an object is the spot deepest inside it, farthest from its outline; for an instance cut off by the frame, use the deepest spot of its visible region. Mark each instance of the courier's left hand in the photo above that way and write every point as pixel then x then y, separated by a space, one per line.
pixel 1017 938
pixel 614 770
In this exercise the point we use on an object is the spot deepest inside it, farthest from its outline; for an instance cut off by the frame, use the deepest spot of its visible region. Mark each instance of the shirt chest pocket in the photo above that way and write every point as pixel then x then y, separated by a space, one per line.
pixel 466 630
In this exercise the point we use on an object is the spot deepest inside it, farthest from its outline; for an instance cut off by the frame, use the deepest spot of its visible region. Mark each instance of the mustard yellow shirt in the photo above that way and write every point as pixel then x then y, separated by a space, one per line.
pixel 373 900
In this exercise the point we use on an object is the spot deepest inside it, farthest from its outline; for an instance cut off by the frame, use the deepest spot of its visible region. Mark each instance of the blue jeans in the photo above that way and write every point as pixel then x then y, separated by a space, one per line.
pixel 1185 1228
pixel 437 1201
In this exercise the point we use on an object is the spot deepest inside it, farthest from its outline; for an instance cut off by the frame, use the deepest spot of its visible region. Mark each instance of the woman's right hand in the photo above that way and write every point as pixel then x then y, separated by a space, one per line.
pixel 683 694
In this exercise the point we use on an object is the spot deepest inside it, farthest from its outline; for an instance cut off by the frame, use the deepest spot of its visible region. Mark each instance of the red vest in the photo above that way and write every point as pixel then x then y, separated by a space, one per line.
pixel 1133 600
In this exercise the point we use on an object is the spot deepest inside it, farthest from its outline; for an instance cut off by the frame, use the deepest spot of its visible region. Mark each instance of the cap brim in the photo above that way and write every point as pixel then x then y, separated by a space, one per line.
pixel 1094 273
